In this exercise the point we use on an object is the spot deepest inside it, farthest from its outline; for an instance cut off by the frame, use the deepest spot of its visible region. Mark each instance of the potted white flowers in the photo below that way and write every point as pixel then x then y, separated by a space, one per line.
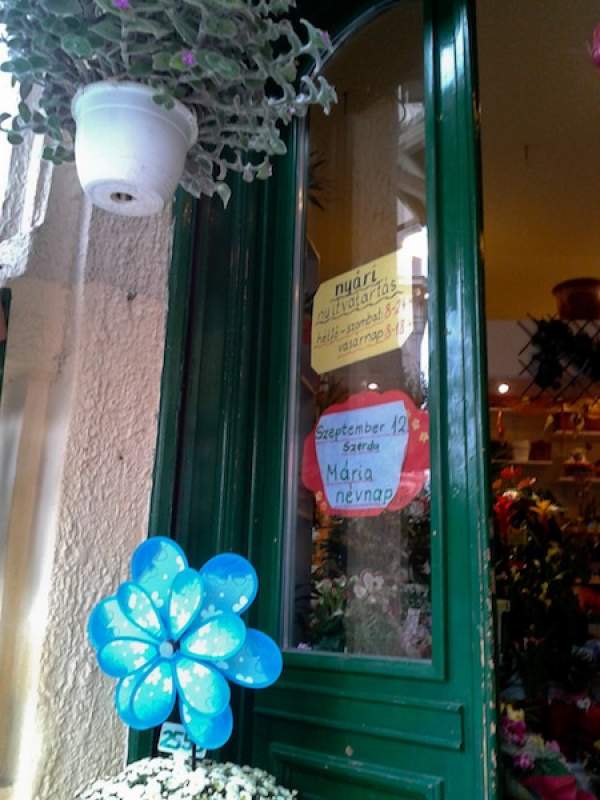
pixel 145 94
pixel 158 778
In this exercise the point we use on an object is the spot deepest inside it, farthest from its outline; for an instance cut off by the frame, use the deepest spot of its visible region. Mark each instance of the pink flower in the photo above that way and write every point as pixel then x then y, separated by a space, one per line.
pixel 188 58
pixel 523 762
pixel 122 5
pixel 553 746
pixel 596 46
pixel 326 39
pixel 514 731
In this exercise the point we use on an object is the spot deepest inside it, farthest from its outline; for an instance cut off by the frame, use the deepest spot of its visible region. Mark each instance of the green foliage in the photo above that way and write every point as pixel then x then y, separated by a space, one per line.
pixel 539 571
pixel 234 63
pixel 370 578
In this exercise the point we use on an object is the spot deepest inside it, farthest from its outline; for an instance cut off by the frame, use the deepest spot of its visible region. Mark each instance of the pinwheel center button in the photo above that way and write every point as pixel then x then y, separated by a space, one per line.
pixel 167 649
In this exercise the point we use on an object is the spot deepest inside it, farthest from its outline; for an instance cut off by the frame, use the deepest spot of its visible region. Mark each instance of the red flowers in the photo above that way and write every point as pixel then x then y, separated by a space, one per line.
pixel 502 510
pixel 511 473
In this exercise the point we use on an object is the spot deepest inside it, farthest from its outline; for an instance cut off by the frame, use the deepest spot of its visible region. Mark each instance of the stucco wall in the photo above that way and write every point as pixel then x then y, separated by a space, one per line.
pixel 78 421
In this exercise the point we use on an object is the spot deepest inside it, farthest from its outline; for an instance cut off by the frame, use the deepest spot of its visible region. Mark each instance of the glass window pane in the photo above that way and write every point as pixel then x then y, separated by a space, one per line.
pixel 359 577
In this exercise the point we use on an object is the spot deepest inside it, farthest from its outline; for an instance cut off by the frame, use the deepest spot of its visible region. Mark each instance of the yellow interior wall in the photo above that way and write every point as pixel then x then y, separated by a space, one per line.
pixel 540 112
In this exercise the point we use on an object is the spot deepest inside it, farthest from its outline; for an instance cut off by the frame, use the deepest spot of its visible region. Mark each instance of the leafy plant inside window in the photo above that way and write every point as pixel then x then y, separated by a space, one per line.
pixel 371 585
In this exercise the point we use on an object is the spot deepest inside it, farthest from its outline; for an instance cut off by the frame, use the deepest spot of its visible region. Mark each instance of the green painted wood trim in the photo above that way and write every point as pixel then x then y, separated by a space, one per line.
pixel 275 455
pixel 5 298
pixel 476 407
pixel 277 326
pixel 437 379
pixel 459 224
pixel 406 735
pixel 162 509
pixel 406 784
pixel 212 488
pixel 141 743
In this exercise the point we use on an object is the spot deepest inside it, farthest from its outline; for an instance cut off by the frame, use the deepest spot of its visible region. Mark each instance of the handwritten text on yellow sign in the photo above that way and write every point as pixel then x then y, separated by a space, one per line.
pixel 362 313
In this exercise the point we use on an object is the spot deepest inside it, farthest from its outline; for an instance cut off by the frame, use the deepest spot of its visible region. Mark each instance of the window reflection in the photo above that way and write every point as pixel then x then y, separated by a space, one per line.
pixel 360 572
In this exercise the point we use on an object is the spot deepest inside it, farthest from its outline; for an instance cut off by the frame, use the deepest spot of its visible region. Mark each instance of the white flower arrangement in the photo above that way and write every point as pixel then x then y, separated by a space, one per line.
pixel 158 778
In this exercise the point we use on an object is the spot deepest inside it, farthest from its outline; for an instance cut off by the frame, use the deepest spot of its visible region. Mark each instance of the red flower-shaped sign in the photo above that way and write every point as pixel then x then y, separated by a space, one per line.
pixel 367 455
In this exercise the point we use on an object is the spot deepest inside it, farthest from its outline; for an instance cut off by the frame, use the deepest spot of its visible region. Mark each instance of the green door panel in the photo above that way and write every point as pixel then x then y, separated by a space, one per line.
pixel 430 726
pixel 330 776
pixel 339 725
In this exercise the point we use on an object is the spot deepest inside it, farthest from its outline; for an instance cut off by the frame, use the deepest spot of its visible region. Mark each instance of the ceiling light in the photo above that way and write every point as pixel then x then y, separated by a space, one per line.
pixel 373 386
pixel 503 388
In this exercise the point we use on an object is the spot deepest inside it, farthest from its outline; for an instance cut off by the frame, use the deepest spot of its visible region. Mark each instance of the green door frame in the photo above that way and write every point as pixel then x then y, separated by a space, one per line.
pixel 220 473
pixel 5 298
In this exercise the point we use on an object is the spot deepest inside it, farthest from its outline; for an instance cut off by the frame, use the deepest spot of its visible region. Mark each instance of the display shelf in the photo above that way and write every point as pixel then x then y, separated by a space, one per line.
pixel 518 463
pixel 525 411
pixel 572 479
pixel 576 434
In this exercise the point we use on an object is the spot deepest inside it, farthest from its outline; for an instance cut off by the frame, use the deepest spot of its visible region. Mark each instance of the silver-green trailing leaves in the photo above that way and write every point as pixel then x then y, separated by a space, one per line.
pixel 235 63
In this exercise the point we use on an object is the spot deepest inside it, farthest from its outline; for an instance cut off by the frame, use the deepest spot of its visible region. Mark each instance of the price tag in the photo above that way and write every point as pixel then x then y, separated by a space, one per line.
pixel 173 740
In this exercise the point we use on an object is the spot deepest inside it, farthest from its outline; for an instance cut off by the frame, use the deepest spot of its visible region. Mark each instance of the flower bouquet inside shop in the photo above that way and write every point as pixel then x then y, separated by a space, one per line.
pixel 546 550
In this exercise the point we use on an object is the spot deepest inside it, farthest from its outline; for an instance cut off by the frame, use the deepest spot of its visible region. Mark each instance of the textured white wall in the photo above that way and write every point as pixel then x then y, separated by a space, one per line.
pixel 77 435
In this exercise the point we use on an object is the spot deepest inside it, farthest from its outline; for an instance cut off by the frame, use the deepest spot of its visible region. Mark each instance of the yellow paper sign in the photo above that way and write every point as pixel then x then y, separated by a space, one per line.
pixel 362 313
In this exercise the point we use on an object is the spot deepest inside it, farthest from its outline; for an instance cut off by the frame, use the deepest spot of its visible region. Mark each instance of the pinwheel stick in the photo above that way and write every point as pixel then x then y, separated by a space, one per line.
pixel 194 757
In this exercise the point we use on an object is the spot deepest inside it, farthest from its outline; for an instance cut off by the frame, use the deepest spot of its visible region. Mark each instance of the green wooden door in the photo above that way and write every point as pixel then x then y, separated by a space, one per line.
pixel 350 717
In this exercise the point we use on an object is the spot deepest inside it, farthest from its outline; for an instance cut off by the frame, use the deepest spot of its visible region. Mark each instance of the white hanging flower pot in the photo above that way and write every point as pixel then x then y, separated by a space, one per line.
pixel 131 138
pixel 130 152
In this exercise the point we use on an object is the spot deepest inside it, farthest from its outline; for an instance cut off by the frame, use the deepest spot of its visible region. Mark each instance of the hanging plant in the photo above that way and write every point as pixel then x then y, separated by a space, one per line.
pixel 223 74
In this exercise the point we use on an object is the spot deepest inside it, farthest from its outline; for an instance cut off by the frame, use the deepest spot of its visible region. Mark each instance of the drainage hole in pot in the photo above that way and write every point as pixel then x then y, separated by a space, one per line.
pixel 122 197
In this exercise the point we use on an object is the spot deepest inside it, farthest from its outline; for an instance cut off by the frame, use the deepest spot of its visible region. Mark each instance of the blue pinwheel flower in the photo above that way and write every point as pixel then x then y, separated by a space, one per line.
pixel 176 632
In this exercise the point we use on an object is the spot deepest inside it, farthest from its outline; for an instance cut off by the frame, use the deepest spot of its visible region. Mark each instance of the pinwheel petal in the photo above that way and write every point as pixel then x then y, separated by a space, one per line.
pixel 201 687
pixel 230 584
pixel 184 601
pixel 257 664
pixel 124 656
pixel 154 564
pixel 138 607
pixel 218 638
pixel 123 693
pixel 153 697
pixel 107 622
pixel 209 733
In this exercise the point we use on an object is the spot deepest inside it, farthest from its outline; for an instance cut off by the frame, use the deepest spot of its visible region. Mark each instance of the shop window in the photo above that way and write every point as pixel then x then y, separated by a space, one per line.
pixel 359 521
